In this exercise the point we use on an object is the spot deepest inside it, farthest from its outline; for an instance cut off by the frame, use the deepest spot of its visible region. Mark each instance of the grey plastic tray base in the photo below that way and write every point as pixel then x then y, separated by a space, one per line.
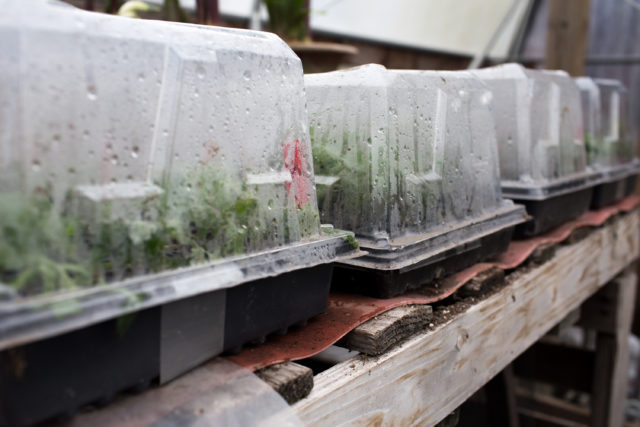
pixel 30 319
pixel 390 283
pixel 413 251
pixel 56 376
pixel 612 192
pixel 518 191
pixel 619 183
pixel 552 212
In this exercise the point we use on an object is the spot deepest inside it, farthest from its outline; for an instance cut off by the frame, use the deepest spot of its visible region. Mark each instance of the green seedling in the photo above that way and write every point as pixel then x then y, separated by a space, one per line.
pixel 202 217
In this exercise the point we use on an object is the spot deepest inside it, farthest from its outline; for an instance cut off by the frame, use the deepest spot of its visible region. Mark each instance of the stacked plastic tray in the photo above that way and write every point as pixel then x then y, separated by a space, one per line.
pixel 408 161
pixel 157 202
pixel 538 120
pixel 610 144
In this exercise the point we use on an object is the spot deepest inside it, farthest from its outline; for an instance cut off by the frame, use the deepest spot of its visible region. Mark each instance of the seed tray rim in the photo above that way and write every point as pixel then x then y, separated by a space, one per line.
pixel 557 187
pixel 34 318
pixel 618 172
pixel 427 250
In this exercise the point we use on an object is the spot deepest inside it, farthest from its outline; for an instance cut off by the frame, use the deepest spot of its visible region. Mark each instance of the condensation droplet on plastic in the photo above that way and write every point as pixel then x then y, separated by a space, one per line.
pixel 200 72
pixel 92 92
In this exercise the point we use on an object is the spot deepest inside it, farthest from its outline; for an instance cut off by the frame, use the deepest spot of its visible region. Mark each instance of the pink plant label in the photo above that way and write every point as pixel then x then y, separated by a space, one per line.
pixel 294 162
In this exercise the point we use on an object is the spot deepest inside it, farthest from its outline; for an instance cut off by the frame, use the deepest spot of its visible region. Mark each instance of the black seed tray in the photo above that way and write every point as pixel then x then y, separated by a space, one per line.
pixel 609 193
pixel 54 377
pixel 257 309
pixel 552 212
pixel 630 185
pixel 391 283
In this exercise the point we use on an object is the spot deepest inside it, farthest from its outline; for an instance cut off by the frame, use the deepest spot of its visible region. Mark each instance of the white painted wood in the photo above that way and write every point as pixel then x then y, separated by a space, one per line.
pixel 427 377
pixel 625 305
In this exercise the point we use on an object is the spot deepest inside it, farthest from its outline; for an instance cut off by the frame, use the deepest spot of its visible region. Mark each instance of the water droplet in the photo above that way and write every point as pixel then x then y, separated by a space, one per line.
pixel 247 75
pixel 114 159
pixel 200 72
pixel 92 92
pixel 486 97
pixel 135 151
pixel 35 165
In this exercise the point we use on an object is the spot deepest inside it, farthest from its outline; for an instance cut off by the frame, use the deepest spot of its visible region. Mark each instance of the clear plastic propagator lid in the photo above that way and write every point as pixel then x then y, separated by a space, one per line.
pixel 407 160
pixel 131 147
pixel 591 121
pixel 610 145
pixel 538 120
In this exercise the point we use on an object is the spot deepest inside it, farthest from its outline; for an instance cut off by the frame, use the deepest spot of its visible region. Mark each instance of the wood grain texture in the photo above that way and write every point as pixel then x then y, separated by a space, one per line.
pixel 619 377
pixel 375 336
pixel 612 353
pixel 544 407
pixel 425 378
pixel 567 34
pixel 482 282
pixel 292 381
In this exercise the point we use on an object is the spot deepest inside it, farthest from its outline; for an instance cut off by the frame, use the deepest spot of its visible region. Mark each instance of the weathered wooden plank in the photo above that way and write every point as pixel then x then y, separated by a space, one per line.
pixel 501 399
pixel 218 393
pixel 557 364
pixel 481 283
pixel 543 253
pixel 612 353
pixel 375 336
pixel 425 378
pixel 567 33
pixel 292 381
pixel 544 407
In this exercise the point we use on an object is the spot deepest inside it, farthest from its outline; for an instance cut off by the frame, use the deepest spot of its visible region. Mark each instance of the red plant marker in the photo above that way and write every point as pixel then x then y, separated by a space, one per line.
pixel 299 179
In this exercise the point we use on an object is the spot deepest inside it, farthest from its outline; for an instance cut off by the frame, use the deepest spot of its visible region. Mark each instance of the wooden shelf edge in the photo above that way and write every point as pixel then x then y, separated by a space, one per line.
pixel 422 380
